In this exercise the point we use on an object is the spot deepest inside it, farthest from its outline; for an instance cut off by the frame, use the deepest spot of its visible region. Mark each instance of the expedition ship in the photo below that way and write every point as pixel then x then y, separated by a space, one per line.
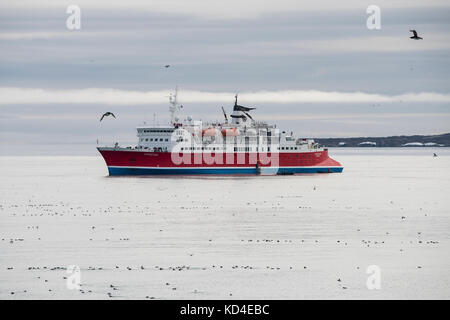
pixel 239 145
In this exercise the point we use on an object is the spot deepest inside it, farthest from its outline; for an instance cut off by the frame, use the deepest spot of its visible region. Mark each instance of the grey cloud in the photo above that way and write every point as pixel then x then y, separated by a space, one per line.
pixel 304 48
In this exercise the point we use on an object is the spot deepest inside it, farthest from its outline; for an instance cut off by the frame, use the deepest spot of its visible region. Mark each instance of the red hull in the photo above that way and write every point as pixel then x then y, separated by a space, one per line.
pixel 125 159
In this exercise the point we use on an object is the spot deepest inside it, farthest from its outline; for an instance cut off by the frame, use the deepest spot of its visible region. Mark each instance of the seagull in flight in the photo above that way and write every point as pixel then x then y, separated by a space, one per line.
pixel 107 114
pixel 415 36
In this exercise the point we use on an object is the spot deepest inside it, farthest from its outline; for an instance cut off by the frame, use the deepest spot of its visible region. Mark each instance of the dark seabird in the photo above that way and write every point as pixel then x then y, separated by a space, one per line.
pixel 434 155
pixel 167 66
pixel 107 114
pixel 415 36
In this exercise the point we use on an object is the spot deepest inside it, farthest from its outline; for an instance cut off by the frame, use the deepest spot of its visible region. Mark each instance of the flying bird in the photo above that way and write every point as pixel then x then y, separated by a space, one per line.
pixel 107 114
pixel 166 66
pixel 415 36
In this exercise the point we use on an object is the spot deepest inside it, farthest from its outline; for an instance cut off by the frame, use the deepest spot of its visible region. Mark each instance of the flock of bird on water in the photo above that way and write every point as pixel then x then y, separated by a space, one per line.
pixel 49 278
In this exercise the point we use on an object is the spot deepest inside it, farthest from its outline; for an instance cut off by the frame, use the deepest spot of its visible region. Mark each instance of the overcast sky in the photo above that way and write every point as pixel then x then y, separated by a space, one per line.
pixel 310 66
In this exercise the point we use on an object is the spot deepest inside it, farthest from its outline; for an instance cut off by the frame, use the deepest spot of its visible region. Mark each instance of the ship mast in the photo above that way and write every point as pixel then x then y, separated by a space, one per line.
pixel 174 106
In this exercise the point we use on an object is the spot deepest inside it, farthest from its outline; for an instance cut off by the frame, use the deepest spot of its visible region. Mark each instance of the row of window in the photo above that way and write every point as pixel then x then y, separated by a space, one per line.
pixel 155 149
pixel 218 148
pixel 201 148
pixel 235 148
pixel 244 149
pixel 156 139
pixel 158 131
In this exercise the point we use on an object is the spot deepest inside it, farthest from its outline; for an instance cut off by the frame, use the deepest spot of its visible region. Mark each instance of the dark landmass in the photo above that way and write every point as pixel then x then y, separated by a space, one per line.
pixel 440 140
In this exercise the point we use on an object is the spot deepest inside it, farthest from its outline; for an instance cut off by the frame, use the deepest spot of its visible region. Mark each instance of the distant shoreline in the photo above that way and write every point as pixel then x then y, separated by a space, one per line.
pixel 418 141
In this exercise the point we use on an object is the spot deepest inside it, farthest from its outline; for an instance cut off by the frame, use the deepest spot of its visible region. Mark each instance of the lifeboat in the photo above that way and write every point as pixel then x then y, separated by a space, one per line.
pixel 210 132
pixel 232 132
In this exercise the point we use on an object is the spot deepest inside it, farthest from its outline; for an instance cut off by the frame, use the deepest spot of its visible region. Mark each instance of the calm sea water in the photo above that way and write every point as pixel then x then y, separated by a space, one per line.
pixel 282 237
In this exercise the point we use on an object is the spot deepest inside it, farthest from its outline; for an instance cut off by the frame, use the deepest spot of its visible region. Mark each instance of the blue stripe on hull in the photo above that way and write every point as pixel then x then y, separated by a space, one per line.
pixel 115 171
pixel 309 170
